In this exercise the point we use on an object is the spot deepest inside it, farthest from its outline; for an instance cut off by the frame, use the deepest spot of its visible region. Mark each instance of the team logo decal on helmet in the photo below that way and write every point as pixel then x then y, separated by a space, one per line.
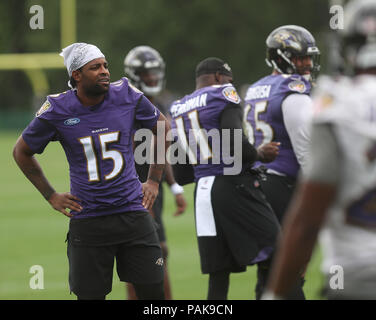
pixel 288 40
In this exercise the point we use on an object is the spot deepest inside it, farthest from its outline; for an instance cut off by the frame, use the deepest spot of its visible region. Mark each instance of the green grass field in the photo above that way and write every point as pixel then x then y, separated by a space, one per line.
pixel 32 233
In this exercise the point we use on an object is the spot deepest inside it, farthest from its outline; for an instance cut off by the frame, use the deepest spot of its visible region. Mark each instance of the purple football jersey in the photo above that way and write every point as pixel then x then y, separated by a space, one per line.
pixel 202 110
pixel 97 141
pixel 263 112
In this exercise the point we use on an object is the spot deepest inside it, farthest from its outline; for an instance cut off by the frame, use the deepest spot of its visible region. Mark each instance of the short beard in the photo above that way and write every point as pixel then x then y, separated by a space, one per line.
pixel 95 90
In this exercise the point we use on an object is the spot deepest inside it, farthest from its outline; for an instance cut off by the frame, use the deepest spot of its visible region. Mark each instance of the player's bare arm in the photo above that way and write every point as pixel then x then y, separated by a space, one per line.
pixel 150 187
pixel 303 222
pixel 25 159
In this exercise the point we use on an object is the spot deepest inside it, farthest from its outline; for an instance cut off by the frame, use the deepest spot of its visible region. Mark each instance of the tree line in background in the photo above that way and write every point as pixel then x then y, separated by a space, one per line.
pixel 183 31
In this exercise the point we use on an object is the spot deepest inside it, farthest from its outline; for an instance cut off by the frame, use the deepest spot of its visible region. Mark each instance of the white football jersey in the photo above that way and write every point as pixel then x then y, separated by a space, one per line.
pixel 348 238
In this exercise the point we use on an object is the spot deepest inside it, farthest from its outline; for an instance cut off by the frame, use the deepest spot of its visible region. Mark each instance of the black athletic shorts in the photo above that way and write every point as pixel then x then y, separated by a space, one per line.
pixel 236 226
pixel 91 263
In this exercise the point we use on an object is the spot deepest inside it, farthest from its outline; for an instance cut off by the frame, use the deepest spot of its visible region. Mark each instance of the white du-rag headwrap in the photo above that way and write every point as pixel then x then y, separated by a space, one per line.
pixel 78 54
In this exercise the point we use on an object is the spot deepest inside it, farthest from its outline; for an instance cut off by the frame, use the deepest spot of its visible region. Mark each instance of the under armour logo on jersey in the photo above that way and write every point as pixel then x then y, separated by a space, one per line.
pixel 159 262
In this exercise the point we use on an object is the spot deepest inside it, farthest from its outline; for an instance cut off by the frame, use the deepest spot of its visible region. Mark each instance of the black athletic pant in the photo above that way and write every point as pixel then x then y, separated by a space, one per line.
pixel 245 227
pixel 278 191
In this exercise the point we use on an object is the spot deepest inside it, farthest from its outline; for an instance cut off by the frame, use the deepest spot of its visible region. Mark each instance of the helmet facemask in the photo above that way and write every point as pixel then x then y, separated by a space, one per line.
pixel 146 69
pixel 150 81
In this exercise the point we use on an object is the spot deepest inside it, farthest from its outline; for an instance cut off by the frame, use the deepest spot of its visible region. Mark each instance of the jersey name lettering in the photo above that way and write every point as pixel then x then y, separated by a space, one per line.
pixel 259 92
pixel 193 103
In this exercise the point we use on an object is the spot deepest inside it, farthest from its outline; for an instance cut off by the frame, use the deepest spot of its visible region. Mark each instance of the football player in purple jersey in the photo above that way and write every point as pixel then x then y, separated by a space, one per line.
pixel 107 204
pixel 145 68
pixel 278 107
pixel 235 225
pixel 335 197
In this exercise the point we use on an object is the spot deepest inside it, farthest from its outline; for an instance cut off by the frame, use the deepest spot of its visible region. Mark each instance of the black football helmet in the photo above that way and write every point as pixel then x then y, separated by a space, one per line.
pixel 143 60
pixel 290 41
pixel 359 34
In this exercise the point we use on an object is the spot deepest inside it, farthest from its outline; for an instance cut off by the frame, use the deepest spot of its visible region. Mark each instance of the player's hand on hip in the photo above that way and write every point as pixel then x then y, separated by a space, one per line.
pixel 63 201
pixel 268 151
pixel 181 204
pixel 150 190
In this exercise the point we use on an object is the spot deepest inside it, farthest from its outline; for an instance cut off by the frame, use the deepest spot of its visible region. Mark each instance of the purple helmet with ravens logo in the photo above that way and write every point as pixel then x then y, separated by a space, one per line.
pixel 290 41
pixel 145 68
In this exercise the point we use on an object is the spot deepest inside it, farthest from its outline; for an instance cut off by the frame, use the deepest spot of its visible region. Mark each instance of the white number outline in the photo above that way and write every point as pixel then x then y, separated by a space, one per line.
pixel 92 158
pixel 199 136
pixel 265 128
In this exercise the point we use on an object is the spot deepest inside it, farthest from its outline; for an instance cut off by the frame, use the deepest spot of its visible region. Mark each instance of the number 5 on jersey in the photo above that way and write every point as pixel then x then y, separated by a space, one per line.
pixel 262 126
